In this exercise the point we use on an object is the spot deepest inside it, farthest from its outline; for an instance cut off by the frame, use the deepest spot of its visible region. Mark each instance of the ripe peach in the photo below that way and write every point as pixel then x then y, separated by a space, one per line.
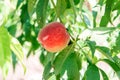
pixel 54 37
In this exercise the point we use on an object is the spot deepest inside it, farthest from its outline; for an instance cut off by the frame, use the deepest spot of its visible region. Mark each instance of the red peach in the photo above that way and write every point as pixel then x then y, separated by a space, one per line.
pixel 54 37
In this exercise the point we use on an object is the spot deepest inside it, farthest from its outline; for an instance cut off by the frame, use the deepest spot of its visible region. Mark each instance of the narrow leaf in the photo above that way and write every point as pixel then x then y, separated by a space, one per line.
pixel 53 77
pixel 103 29
pixel 105 77
pixel 47 71
pixel 19 3
pixel 92 45
pixel 104 21
pixel 5 51
pixel 60 7
pixel 86 19
pixel 117 60
pixel 94 13
pixel 31 6
pixel 114 66
pixel 41 10
pixel 105 51
pixel 17 49
pixel 107 15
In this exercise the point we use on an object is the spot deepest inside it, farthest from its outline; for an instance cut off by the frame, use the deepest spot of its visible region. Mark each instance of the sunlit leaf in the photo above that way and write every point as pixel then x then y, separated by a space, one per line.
pixel 31 6
pixel 5 51
pixel 17 49
pixel 60 7
pixel 103 29
pixel 53 77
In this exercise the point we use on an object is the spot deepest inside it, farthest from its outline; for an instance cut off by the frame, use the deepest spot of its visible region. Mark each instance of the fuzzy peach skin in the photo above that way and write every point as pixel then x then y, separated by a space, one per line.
pixel 54 37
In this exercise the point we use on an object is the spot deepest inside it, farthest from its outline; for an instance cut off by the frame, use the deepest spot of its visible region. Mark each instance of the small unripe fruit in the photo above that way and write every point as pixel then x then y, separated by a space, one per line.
pixel 54 37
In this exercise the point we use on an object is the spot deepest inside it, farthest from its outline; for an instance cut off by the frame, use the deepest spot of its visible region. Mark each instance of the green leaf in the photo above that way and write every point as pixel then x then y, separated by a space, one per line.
pixel 31 6
pixel 104 21
pixel 92 73
pixel 27 30
pixel 17 49
pixel 60 7
pixel 103 29
pixel 86 19
pixel 117 60
pixel 42 58
pixel 12 29
pixel 47 71
pixel 116 16
pixel 116 6
pixel 116 48
pixel 41 10
pixel 79 61
pixel 113 66
pixel 105 77
pixel 107 15
pixel 70 65
pixel 24 17
pixel 69 4
pixel 101 2
pixel 61 57
pixel 53 77
pixel 94 13
pixel 92 45
pixel 14 60
pixel 35 44
pixel 47 58
pixel 5 51
pixel 105 51
pixel 19 3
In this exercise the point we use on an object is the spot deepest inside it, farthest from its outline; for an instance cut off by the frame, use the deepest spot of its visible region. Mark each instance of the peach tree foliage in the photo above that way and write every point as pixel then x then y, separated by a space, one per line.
pixel 81 54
